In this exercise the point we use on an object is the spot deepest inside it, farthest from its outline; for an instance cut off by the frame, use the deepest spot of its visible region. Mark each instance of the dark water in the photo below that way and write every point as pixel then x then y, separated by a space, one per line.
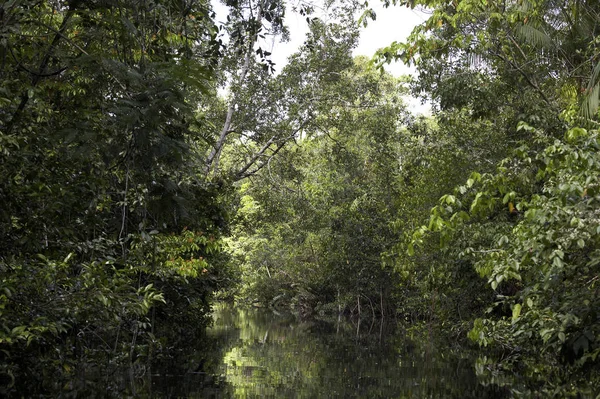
pixel 254 353
pixel 260 354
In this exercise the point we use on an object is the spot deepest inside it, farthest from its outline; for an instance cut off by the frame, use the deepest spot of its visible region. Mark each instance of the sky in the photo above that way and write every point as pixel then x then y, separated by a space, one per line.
pixel 392 24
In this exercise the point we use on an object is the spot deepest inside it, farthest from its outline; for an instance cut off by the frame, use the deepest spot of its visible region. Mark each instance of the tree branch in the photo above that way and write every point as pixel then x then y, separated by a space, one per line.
pixel 526 77
pixel 242 172
pixel 59 32
pixel 42 68
pixel 212 162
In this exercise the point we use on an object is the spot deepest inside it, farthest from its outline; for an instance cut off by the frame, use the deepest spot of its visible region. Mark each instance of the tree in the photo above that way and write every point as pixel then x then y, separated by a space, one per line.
pixel 313 224
pixel 98 146
pixel 265 112
pixel 526 71
pixel 529 229
pixel 546 50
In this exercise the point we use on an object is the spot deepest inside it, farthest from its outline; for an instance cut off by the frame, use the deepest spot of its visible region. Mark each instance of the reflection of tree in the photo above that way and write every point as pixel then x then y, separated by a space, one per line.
pixel 192 371
pixel 275 356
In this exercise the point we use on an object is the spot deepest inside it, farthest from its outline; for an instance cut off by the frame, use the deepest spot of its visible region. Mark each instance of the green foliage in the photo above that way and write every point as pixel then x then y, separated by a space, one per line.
pixel 525 224
pixel 265 113
pixel 311 227
pixel 99 143
pixel 541 259
pixel 527 57
pixel 121 166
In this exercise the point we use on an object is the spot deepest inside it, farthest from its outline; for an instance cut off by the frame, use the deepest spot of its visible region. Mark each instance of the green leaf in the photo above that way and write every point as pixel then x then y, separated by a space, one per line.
pixel 516 312
pixel 535 36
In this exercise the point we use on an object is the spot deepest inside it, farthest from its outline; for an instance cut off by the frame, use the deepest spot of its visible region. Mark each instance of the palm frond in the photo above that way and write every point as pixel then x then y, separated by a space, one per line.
pixel 590 102
pixel 594 78
pixel 535 36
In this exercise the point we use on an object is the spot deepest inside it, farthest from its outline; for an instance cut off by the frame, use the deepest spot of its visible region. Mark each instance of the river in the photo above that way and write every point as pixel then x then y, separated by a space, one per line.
pixel 258 353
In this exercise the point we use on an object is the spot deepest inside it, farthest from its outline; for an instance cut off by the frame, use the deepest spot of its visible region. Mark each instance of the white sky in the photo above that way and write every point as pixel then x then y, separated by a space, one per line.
pixel 392 24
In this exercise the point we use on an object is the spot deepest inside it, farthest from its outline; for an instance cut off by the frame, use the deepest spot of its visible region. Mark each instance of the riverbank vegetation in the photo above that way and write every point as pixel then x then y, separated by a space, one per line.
pixel 134 192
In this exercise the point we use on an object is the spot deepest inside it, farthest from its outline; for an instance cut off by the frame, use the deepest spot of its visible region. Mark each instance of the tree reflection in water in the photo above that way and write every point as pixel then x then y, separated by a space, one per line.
pixel 269 355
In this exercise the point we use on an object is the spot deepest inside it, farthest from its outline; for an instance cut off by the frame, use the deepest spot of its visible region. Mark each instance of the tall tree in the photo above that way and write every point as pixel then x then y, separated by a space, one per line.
pixel 543 56
pixel 264 112
pixel 527 70
pixel 313 223
pixel 98 132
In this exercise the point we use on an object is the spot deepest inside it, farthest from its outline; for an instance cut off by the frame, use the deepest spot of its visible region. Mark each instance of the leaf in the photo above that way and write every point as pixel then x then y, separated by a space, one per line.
pixel 590 102
pixel 410 250
pixel 464 216
pixel 516 312
pixel 535 37
pixel 575 133
pixel 545 333
pixel 557 262
pixel 19 330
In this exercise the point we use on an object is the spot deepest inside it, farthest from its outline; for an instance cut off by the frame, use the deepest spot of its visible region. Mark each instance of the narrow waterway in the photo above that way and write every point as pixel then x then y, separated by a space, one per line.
pixel 261 354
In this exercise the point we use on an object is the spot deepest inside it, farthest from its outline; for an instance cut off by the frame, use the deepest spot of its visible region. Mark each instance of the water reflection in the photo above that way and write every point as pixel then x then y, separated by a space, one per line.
pixel 272 355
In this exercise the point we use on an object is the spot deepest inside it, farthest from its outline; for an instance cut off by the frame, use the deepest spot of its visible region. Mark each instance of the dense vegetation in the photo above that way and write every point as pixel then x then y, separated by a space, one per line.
pixel 133 193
